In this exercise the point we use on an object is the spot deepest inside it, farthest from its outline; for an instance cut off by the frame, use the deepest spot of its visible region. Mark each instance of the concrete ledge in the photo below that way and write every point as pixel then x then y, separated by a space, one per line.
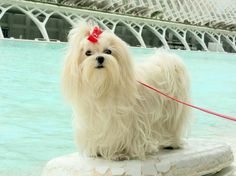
pixel 199 157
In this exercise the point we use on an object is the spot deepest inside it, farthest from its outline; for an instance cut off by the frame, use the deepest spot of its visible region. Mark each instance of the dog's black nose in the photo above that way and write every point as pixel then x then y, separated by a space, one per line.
pixel 100 59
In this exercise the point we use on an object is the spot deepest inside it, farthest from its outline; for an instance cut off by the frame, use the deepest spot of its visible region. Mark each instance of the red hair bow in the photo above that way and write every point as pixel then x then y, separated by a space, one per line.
pixel 93 37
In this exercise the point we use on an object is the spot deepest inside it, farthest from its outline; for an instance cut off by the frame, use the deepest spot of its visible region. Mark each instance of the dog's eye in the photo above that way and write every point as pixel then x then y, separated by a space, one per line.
pixel 88 53
pixel 107 51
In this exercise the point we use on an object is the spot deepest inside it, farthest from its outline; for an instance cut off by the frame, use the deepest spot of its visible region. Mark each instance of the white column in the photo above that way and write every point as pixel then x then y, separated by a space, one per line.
pixel 135 33
pixel 231 43
pixel 213 39
pixel 3 11
pixel 181 38
pixel 159 36
pixel 1 34
pixel 199 39
pixel 140 38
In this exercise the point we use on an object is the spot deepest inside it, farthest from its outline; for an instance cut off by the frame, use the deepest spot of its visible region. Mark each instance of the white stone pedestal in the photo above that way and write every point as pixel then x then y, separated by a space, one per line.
pixel 199 157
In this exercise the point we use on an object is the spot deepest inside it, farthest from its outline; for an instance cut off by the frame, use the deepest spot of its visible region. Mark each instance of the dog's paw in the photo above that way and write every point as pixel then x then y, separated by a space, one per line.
pixel 171 145
pixel 168 147
pixel 121 157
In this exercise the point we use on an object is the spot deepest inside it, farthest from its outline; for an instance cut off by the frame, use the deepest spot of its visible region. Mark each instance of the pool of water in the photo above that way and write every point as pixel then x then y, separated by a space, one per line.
pixel 36 125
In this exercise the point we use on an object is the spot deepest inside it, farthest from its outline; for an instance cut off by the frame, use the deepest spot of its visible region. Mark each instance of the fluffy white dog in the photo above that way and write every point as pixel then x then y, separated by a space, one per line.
pixel 116 117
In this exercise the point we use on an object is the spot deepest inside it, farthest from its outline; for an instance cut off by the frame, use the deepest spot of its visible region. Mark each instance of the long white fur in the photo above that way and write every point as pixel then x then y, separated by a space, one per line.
pixel 115 116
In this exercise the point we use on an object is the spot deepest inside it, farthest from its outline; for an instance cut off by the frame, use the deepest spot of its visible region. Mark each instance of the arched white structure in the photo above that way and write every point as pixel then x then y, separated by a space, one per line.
pixel 173 10
pixel 199 37
pixel 215 13
pixel 160 36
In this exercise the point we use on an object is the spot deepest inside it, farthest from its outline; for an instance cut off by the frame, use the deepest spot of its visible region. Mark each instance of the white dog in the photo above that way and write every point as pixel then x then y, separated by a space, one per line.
pixel 116 117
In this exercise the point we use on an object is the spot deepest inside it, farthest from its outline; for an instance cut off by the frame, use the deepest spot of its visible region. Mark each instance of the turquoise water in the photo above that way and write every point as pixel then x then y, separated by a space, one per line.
pixel 36 125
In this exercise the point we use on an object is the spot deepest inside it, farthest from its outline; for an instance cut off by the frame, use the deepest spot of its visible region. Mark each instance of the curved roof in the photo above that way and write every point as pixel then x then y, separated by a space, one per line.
pixel 212 13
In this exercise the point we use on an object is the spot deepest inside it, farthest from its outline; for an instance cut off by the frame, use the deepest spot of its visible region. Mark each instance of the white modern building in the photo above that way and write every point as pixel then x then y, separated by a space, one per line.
pixel 179 24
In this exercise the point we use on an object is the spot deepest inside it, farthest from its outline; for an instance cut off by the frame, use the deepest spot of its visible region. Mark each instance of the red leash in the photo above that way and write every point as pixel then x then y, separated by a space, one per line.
pixel 187 104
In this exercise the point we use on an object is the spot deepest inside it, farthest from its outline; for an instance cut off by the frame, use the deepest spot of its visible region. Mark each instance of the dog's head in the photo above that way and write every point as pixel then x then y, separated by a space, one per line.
pixel 98 65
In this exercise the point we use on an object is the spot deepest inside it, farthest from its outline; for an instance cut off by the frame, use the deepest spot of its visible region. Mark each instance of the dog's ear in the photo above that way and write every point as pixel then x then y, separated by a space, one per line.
pixel 71 70
pixel 70 75
pixel 79 31
pixel 75 37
